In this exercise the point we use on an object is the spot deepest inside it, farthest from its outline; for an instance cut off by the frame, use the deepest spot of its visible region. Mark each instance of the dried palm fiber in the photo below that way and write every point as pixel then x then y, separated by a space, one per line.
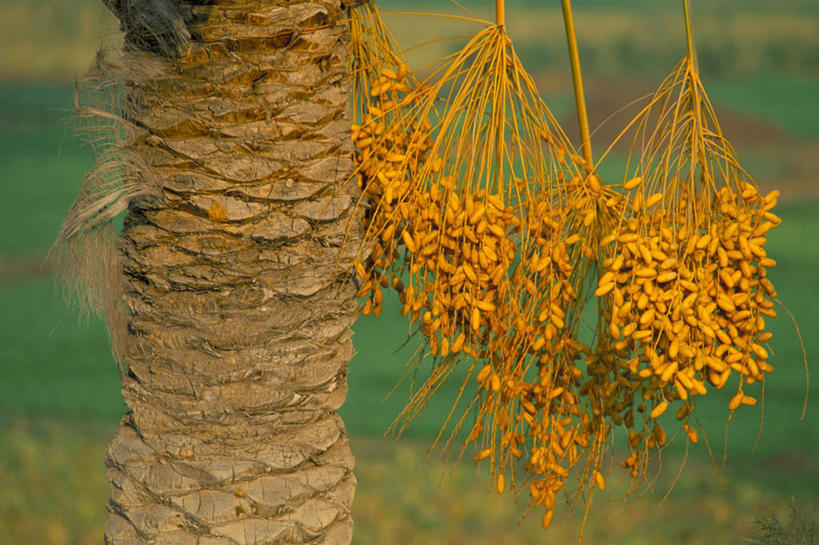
pixel 479 206
pixel 85 250
pixel 685 292
pixel 159 26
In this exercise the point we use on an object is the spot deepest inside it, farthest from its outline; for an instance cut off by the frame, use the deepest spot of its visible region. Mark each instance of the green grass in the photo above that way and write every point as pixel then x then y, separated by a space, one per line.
pixel 53 365
pixel 788 101
pixel 53 480
pixel 801 527
pixel 42 167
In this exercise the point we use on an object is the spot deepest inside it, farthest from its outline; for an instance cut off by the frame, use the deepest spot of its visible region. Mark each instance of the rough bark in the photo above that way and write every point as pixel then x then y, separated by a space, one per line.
pixel 238 304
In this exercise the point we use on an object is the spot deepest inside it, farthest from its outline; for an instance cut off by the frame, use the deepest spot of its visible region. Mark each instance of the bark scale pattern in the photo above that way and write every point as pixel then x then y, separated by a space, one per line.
pixel 238 300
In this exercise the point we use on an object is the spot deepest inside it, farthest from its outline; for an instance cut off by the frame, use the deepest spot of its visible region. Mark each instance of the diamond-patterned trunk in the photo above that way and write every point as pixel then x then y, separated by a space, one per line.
pixel 238 302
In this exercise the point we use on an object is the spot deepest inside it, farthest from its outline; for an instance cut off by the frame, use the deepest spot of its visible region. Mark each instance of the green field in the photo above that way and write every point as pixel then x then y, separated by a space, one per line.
pixel 59 393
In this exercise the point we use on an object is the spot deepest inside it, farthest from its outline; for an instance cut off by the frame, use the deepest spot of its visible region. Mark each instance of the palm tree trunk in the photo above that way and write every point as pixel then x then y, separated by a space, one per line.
pixel 238 306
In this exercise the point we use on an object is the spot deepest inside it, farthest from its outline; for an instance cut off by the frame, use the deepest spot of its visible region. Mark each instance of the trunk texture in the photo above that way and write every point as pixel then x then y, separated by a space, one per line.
pixel 238 304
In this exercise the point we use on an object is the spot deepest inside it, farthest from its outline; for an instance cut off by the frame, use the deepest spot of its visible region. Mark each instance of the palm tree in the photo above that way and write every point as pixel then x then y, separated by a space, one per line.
pixel 234 293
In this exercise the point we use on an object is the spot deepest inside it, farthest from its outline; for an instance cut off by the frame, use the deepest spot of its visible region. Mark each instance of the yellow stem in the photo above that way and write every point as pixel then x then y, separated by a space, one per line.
pixel 696 148
pixel 689 36
pixel 577 79
pixel 500 12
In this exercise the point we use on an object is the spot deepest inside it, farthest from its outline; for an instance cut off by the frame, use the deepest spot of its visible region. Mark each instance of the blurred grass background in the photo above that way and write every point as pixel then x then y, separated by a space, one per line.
pixel 59 395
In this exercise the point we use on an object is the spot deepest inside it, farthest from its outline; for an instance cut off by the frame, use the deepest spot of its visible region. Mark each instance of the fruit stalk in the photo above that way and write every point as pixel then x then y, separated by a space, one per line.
pixel 577 80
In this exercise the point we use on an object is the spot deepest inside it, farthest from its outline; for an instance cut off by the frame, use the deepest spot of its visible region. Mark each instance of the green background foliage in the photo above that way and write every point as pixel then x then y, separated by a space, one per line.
pixel 59 395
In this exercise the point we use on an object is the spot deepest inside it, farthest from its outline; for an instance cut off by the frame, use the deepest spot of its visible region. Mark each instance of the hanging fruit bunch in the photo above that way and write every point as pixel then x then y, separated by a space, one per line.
pixel 495 234
pixel 487 228
pixel 686 286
